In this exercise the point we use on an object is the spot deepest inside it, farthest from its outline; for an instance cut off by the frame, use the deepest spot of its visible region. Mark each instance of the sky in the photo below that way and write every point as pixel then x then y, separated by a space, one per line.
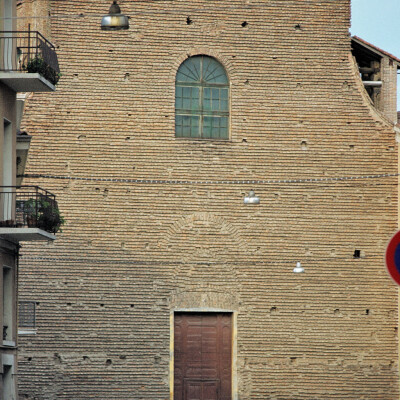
pixel 378 23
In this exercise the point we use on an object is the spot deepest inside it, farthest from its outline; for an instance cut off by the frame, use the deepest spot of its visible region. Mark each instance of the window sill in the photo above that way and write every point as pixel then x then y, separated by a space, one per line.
pixel 26 331
pixel 204 140
pixel 8 343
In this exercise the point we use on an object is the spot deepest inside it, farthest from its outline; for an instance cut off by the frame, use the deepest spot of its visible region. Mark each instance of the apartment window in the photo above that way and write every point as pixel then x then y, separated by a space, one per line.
pixel 26 317
pixel 8 306
pixel 202 99
pixel 8 387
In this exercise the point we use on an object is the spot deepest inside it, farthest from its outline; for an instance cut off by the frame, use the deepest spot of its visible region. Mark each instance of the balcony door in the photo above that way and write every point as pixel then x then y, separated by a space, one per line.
pixel 7 42
pixel 203 356
pixel 7 178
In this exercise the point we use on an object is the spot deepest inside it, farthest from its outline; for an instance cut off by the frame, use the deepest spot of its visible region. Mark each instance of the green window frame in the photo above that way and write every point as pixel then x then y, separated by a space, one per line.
pixel 202 99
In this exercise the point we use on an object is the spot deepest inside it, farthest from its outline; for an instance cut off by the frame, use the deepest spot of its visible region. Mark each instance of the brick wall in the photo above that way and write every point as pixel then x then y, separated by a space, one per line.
pixel 131 253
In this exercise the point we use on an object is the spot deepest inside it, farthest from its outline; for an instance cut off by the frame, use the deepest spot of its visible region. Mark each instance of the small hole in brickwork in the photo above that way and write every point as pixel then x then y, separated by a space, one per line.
pixel 367 312
pixel 246 82
pixel 132 305
pixel 293 359
pixel 297 27
pixel 244 140
pixel 108 362
pixel 273 310
pixel 351 146
pixel 29 358
pixel 122 357
pixel 126 77
pixel 357 254
pixel 189 21
pixel 69 304
pixel 244 24
pixel 337 311
pixel 128 138
pixel 101 305
pixel 111 51
pixel 37 303
pixel 304 145
pixel 85 358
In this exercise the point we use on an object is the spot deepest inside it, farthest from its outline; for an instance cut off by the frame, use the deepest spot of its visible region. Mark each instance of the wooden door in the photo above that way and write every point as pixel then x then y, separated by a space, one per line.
pixel 203 356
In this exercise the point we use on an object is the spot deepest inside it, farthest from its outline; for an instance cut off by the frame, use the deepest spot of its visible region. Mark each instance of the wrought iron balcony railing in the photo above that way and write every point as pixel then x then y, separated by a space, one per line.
pixel 29 207
pixel 28 51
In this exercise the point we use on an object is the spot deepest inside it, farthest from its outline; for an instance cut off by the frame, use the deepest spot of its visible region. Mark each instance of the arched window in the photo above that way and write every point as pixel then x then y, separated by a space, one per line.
pixel 201 99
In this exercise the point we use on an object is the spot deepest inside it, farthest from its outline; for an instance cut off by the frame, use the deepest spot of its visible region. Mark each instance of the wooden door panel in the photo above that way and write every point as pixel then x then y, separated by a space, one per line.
pixel 210 391
pixel 203 356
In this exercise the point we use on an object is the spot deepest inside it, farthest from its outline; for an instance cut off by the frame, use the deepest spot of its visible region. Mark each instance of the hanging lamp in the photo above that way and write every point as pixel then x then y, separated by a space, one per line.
pixel 251 198
pixel 298 269
pixel 114 20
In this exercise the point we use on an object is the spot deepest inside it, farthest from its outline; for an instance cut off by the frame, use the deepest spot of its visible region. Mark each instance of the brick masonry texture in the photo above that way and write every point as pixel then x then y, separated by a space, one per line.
pixel 131 253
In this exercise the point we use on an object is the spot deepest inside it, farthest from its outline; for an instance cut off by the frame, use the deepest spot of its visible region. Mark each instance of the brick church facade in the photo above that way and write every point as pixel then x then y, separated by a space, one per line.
pixel 164 284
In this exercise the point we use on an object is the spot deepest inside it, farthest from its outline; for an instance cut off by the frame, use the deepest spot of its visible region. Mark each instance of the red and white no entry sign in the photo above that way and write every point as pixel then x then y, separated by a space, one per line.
pixel 392 257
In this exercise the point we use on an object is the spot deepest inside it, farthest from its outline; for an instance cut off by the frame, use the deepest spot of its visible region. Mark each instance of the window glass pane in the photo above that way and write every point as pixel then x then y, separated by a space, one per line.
pixel 215 127
pixel 178 125
pixel 223 99
pixel 26 314
pixel 213 71
pixel 215 99
pixel 207 128
pixel 195 126
pixel 187 126
pixel 223 129
pixel 207 99
pixel 187 98
pixel 178 97
pixel 189 71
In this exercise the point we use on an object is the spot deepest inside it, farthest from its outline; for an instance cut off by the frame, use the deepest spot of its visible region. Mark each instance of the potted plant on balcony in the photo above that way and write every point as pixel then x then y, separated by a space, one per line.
pixel 38 64
pixel 49 217
pixel 30 211
pixel 43 214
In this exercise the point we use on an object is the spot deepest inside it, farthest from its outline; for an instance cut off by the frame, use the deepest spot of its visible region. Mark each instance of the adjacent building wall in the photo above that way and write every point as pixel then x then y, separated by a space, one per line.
pixel 8 251
pixel 389 88
pixel 132 252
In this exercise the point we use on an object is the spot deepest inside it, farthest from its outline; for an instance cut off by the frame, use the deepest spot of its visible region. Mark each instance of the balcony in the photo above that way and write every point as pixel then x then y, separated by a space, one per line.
pixel 28 213
pixel 28 62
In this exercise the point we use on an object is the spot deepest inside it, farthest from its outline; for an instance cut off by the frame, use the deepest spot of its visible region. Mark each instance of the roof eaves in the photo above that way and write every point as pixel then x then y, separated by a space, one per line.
pixel 376 50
